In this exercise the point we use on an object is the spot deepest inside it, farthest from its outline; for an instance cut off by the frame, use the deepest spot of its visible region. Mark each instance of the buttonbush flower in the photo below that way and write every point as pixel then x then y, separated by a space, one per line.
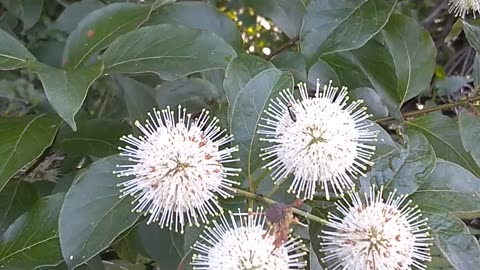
pixel 376 234
pixel 462 7
pixel 241 241
pixel 320 139
pixel 177 167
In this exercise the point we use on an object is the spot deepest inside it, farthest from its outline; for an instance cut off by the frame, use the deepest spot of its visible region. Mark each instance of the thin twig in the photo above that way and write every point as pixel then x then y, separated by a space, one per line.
pixel 269 201
pixel 283 47
pixel 433 109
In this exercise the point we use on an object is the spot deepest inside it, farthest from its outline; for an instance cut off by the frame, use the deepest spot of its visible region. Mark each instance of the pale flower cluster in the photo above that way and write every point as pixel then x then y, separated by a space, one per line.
pixel 318 142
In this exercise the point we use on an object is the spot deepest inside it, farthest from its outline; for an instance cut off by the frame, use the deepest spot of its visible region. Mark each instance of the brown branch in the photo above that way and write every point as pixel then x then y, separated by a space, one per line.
pixel 433 109
pixel 283 47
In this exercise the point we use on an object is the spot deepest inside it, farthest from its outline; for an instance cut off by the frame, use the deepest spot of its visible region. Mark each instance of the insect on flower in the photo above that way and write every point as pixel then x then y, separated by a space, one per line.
pixel 293 116
pixel 279 218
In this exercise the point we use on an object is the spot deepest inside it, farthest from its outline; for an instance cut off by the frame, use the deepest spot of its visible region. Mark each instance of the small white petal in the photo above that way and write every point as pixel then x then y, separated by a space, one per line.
pixel 320 139
pixel 462 7
pixel 374 234
pixel 177 168
pixel 242 241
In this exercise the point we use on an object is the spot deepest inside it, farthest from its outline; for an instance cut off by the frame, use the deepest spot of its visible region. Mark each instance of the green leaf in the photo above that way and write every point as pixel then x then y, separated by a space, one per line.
pixel 450 85
pixel 472 32
pixel 13 54
pixel 198 15
pixel 93 213
pixel 239 72
pixel 100 28
pixel 372 101
pixel 469 126
pixel 66 89
pixel 450 187
pixel 22 141
pixel 454 31
pixel 32 239
pixel 438 261
pixel 194 94
pixel 138 97
pixel 443 134
pixel 377 63
pixel 324 73
pixel 74 13
pixel 452 237
pixel 405 170
pixel 28 11
pixel 286 14
pixel 171 51
pixel 169 253
pixel 160 3
pixel 476 71
pixel 96 137
pixel 247 110
pixel 413 53
pixel 346 71
pixel 15 198
pixel 341 25
pixel 293 62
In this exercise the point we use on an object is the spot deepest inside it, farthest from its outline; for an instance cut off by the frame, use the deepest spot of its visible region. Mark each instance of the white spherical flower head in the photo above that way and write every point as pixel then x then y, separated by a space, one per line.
pixel 177 168
pixel 376 234
pixel 242 241
pixel 320 139
pixel 462 7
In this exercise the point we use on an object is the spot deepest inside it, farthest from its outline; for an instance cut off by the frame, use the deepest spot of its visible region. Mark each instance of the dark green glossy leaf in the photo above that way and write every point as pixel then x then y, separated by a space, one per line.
pixel 160 3
pixel 452 237
pixel 93 215
pixel 12 53
pixel 476 71
pixel 139 98
pixel 377 64
pixel 74 13
pixel 239 72
pixel 198 15
pixel 28 11
pixel 450 85
pixel 22 141
pixel 443 134
pixel 100 28
pixel 450 187
pixel 286 14
pixel 293 62
pixel 413 53
pixel 372 101
pixel 438 261
pixel 247 110
pixel 323 72
pixel 346 71
pixel 171 51
pixel 406 169
pixel 32 239
pixel 15 198
pixel 469 126
pixel 66 89
pixel 341 25
pixel 96 137
pixel 472 32
pixel 194 94
pixel 169 253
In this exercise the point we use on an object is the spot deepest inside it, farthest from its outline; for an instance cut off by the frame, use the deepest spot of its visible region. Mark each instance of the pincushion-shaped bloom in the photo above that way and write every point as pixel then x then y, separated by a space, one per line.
pixel 246 244
pixel 320 139
pixel 376 234
pixel 177 167
pixel 462 7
